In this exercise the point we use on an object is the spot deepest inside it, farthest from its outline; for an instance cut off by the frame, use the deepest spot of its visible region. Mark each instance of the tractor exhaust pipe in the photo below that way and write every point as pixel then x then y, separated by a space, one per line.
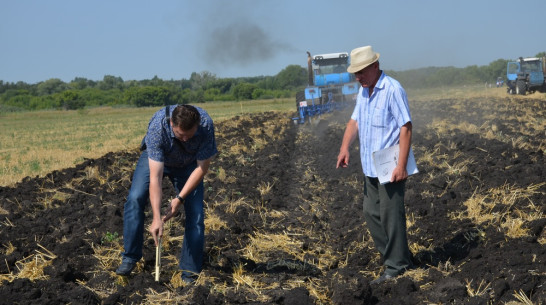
pixel 310 68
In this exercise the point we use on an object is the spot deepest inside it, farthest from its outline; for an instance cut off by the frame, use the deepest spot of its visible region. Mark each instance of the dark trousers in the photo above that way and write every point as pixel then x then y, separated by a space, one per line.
pixel 385 216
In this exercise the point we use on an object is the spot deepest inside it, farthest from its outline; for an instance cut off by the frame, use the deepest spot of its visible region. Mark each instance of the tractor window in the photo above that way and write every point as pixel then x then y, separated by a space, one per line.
pixel 340 69
pixel 512 68
pixel 330 65
pixel 335 68
pixel 531 66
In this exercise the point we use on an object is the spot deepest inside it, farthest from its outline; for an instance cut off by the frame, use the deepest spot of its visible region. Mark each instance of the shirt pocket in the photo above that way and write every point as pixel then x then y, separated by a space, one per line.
pixel 381 118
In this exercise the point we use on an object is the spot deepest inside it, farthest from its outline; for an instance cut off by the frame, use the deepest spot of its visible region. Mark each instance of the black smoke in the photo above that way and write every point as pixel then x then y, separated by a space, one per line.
pixel 241 43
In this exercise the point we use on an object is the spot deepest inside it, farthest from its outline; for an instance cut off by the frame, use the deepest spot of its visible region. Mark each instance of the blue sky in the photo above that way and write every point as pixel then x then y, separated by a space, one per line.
pixel 138 40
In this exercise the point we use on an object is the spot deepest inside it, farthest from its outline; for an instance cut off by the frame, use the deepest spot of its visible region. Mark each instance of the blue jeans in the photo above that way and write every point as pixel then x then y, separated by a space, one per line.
pixel 191 258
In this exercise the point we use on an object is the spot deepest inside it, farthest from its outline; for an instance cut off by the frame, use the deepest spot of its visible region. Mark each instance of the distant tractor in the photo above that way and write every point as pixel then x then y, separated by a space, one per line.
pixel 330 86
pixel 526 75
pixel 500 82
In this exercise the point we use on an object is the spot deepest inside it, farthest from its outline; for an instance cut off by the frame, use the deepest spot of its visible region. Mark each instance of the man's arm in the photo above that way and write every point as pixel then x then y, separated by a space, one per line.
pixel 400 173
pixel 156 180
pixel 349 136
pixel 193 181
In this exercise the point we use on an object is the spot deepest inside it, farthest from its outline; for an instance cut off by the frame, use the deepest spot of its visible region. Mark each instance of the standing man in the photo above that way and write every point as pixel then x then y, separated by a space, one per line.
pixel 179 144
pixel 381 119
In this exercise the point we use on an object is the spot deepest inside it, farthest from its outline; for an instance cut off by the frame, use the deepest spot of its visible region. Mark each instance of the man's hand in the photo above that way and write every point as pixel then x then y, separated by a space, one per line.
pixel 399 173
pixel 156 229
pixel 172 210
pixel 342 159
pixel 351 131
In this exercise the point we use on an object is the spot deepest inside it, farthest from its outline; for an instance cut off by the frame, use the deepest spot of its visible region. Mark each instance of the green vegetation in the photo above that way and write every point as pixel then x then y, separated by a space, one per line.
pixel 54 94
pixel 113 91
pixel 110 237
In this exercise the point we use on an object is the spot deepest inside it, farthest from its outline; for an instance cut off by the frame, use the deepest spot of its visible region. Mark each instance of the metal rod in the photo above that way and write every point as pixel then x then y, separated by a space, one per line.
pixel 157 260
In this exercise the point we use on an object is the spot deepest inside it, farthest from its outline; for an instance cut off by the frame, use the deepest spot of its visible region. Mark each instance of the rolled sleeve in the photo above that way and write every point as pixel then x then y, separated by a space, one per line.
pixel 157 138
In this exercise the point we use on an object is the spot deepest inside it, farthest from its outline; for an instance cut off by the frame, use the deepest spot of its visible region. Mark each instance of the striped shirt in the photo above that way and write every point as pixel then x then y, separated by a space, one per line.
pixel 379 118
pixel 162 145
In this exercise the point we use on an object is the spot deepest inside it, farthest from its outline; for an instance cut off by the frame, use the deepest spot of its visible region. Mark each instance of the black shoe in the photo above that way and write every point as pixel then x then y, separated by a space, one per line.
pixel 383 278
pixel 125 268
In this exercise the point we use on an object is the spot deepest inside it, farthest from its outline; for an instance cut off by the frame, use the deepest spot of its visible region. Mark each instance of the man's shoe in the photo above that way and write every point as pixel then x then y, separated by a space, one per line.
pixel 383 278
pixel 188 279
pixel 125 268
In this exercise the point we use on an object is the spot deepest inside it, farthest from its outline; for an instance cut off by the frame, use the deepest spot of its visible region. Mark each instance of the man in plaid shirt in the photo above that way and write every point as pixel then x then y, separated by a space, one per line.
pixel 179 144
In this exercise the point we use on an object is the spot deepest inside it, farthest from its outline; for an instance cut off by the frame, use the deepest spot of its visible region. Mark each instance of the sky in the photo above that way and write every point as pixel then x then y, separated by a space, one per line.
pixel 170 39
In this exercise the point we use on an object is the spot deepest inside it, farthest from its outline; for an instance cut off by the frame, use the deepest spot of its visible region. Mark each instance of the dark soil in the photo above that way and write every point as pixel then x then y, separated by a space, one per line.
pixel 460 260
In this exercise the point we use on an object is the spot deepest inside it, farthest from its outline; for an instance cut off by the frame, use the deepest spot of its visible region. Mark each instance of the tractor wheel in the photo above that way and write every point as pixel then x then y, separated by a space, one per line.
pixel 520 87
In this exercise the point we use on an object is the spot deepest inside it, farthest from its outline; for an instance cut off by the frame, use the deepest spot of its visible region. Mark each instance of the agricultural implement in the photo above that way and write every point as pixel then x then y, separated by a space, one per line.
pixel 330 86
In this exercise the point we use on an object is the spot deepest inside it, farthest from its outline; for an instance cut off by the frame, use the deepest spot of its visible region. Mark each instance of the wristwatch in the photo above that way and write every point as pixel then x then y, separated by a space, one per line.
pixel 180 198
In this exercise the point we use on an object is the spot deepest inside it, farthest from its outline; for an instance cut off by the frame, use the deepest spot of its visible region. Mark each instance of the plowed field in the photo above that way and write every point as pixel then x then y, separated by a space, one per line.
pixel 285 227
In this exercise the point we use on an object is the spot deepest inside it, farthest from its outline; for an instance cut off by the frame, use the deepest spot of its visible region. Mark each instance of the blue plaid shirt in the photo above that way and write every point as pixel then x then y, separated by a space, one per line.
pixel 162 145
pixel 380 118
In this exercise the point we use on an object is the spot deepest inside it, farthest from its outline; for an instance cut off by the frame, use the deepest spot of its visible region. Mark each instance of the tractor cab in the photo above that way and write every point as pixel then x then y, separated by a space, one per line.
pixel 331 69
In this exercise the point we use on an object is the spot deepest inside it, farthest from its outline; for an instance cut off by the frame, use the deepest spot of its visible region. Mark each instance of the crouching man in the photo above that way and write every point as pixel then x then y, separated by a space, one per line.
pixel 179 144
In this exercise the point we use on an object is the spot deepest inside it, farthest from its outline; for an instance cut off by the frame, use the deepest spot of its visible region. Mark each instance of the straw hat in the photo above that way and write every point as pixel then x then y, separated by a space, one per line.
pixel 361 58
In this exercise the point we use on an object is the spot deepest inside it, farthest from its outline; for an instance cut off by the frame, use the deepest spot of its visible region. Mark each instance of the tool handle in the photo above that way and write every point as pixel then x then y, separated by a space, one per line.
pixel 157 261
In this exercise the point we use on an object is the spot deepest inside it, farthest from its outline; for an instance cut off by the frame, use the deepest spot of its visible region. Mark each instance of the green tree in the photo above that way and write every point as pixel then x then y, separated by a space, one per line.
pixel 148 96
pixel 71 100
pixel 293 76
pixel 222 84
pixel 267 83
pixel 201 80
pixel 495 69
pixel 211 94
pixel 243 91
pixel 197 96
pixel 111 82
pixel 80 83
pixel 258 93
pixel 184 84
pixel 20 101
pixel 44 102
pixel 50 86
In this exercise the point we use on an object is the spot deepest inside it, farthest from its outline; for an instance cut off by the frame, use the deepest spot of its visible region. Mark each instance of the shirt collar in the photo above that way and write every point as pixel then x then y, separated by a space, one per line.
pixel 380 82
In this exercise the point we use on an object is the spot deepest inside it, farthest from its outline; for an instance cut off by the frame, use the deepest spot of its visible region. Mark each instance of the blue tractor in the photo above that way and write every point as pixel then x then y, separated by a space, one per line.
pixel 330 86
pixel 526 75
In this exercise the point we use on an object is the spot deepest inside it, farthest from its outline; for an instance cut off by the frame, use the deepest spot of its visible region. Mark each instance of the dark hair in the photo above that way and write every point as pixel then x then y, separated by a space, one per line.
pixel 185 117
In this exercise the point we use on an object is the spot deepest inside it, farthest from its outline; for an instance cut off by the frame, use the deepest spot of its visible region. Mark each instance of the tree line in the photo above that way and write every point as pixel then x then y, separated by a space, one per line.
pixel 205 86
pixel 114 91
